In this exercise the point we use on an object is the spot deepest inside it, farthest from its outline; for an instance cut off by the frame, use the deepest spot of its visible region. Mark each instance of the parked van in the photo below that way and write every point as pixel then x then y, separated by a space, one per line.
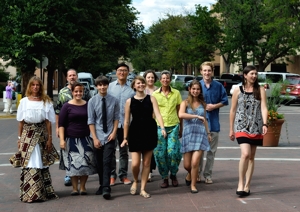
pixel 270 79
pixel 88 77
pixel 177 78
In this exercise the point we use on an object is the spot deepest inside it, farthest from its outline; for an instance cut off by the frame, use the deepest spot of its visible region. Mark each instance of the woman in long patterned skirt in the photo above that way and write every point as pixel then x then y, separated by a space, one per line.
pixel 35 115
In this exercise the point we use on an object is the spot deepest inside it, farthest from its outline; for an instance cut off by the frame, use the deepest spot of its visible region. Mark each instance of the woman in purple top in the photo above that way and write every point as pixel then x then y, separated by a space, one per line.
pixel 8 96
pixel 78 156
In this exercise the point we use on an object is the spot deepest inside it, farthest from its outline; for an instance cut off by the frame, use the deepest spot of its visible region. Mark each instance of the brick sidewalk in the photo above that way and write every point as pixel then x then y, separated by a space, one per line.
pixel 271 190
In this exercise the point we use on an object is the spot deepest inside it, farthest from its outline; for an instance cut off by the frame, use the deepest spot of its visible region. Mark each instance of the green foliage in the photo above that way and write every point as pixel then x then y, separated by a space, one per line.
pixel 176 41
pixel 258 31
pixel 89 35
pixel 275 100
pixel 4 76
pixel 2 88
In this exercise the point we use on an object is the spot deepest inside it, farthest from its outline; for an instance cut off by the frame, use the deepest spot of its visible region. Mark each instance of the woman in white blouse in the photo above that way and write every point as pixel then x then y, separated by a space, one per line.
pixel 35 115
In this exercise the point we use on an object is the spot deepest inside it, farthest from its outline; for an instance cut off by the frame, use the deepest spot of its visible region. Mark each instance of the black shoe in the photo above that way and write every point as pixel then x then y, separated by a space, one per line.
pixel 240 193
pixel 187 182
pixel 246 193
pixel 99 191
pixel 106 193
pixel 194 191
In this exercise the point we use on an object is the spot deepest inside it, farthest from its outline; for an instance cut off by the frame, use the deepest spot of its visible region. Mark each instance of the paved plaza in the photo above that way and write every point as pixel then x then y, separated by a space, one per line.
pixel 275 184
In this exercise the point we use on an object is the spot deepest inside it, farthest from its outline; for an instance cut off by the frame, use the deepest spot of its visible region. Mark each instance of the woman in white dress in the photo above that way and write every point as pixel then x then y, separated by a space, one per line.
pixel 35 115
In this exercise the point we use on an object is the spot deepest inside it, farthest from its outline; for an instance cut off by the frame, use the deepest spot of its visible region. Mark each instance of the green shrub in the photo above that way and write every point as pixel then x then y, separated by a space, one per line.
pixel 4 76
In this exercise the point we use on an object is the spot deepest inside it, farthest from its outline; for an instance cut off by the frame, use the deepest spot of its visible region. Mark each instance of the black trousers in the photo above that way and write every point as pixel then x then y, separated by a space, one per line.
pixel 104 157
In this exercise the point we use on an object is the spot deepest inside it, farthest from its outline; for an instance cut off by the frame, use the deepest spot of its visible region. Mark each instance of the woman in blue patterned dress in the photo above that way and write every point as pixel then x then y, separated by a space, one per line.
pixel 196 135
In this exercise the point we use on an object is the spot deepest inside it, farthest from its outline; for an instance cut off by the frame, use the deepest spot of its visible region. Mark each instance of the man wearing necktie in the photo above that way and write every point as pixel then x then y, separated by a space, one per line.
pixel 103 119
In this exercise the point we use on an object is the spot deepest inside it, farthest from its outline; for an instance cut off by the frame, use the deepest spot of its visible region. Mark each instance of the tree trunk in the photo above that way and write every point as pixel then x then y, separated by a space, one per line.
pixel 50 81
pixel 26 75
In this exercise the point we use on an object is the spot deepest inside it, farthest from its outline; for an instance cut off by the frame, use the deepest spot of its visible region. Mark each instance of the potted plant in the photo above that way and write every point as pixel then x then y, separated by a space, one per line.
pixel 275 119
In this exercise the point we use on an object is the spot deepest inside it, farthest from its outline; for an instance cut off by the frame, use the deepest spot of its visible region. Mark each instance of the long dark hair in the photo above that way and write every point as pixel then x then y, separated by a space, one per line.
pixel 256 86
pixel 190 99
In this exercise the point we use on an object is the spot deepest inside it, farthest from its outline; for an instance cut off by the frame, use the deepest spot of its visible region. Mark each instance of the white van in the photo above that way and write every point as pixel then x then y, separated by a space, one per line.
pixel 265 79
pixel 270 79
pixel 177 78
pixel 88 77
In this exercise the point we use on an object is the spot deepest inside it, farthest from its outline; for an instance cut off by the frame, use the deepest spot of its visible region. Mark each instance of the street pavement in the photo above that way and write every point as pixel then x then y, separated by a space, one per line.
pixel 275 183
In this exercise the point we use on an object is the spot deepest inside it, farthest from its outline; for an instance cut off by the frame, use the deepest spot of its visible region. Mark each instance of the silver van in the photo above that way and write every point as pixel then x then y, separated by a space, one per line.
pixel 88 77
pixel 177 78
pixel 270 79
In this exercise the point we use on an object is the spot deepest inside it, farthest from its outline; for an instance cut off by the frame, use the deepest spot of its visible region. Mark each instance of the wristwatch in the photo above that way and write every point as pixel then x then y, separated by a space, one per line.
pixel 19 137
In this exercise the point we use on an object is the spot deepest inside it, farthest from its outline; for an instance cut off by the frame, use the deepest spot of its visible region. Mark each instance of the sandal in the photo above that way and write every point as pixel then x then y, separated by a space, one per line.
pixel 133 190
pixel 144 194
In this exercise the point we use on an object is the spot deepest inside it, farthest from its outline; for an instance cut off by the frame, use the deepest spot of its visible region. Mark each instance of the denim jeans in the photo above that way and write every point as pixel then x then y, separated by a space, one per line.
pixel 104 157
pixel 123 159
pixel 210 156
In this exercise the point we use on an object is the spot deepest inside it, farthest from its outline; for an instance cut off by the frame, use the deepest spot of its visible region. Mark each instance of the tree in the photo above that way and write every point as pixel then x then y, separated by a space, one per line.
pixel 205 35
pixel 258 30
pixel 89 36
pixel 178 41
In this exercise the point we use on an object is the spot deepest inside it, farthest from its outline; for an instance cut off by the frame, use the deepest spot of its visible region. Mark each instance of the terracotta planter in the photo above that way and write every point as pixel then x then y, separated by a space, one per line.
pixel 273 135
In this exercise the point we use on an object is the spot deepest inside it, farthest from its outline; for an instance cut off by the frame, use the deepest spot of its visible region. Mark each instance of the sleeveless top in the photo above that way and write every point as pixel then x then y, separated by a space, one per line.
pixel 142 134
pixel 248 119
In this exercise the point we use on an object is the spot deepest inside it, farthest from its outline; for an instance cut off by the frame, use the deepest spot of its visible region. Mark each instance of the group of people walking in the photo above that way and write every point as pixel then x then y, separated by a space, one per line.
pixel 140 118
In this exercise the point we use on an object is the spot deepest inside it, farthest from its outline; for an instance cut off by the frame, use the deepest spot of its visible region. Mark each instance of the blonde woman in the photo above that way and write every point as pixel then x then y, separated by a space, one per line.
pixel 35 115
pixel 141 134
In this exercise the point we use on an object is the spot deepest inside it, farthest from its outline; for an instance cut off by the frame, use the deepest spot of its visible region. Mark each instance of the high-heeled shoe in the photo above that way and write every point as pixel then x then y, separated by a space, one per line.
pixel 240 193
pixel 246 193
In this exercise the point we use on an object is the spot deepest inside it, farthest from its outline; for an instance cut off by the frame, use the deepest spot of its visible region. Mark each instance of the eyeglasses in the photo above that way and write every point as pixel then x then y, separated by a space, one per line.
pixel 122 70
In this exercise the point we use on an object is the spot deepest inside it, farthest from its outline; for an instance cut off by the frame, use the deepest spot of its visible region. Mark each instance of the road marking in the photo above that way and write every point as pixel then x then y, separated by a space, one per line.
pixel 289 113
pixel 1 173
pixel 260 148
pixel 219 159
pixel 219 148
pixel 261 159
pixel 244 200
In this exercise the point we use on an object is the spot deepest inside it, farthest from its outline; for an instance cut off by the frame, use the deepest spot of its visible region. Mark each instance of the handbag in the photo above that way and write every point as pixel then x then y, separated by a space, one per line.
pixel 15 160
